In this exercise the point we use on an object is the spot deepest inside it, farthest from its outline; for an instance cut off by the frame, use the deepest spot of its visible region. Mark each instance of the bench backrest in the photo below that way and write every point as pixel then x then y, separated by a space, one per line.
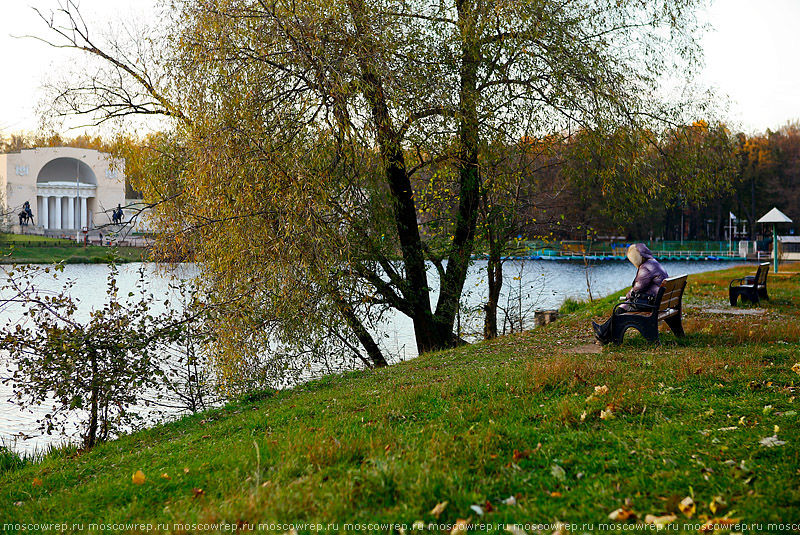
pixel 672 292
pixel 761 274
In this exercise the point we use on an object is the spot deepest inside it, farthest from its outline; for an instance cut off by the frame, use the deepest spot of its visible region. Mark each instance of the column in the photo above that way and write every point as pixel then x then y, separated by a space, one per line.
pixel 44 218
pixel 84 219
pixel 70 213
pixel 57 223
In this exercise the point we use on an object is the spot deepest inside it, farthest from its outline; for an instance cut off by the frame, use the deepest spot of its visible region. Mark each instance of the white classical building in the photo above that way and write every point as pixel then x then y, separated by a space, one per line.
pixel 67 188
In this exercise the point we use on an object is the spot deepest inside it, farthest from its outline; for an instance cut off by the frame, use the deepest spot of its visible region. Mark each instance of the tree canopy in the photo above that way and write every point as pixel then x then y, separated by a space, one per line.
pixel 306 131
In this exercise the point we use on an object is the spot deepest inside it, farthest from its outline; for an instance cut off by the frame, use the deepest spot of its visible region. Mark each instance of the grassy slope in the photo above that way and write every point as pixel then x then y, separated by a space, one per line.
pixel 475 425
pixel 30 249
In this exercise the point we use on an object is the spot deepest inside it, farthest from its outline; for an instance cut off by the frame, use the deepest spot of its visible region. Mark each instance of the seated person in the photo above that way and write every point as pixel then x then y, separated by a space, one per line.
pixel 649 275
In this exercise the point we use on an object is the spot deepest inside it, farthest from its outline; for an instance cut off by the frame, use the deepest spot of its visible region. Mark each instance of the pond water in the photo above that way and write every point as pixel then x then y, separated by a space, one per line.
pixel 529 285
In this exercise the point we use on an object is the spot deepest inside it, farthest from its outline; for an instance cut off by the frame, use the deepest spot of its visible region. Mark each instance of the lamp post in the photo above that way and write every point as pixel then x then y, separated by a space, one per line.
pixel 775 216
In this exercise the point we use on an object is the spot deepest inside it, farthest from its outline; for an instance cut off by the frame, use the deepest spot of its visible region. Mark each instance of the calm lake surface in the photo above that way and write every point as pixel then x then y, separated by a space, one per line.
pixel 529 285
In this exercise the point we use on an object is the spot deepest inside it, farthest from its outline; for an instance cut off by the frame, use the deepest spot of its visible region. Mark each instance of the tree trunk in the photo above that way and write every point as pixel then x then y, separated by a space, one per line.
pixel 91 432
pixel 432 331
pixel 469 175
pixel 368 343
pixel 494 275
pixel 416 290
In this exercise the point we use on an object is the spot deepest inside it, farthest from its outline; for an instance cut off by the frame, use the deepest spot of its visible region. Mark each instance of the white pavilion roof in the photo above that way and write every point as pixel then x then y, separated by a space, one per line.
pixel 775 216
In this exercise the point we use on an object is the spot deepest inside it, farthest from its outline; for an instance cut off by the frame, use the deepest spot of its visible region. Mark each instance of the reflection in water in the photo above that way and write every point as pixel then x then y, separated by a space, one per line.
pixel 528 285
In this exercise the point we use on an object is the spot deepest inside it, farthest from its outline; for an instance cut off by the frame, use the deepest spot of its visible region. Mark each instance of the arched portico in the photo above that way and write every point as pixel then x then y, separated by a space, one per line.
pixel 66 188
pixel 65 191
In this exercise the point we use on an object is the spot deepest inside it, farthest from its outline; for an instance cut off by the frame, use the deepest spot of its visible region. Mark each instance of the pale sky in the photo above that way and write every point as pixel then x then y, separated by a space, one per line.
pixel 751 57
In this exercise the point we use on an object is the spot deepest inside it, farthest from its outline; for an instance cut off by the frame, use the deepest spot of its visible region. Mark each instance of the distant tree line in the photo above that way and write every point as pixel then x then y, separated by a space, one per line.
pixel 759 172
pixel 572 187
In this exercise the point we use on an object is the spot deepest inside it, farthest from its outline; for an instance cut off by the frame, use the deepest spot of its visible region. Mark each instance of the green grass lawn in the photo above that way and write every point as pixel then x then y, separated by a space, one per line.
pixel 530 430
pixel 31 249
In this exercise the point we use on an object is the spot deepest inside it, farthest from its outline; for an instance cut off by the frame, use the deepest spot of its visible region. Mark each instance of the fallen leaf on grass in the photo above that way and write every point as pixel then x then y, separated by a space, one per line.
pixel 438 509
pixel 555 494
pixel 660 521
pixel 717 504
pixel 621 515
pixel 606 415
pixel 741 471
pixel 165 476
pixel 36 482
pixel 511 500
pixel 138 477
pixel 601 390
pixel 772 441
pixel 796 368
pixel 519 455
pixel 460 527
pixel 478 509
pixel 558 472
pixel 196 493
pixel 687 507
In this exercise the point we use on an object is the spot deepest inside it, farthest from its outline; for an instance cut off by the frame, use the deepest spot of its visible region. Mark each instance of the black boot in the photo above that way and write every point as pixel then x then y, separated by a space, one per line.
pixel 601 332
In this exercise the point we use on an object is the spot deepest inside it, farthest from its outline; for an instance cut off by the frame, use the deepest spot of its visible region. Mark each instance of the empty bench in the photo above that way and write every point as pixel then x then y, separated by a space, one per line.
pixel 752 287
pixel 666 307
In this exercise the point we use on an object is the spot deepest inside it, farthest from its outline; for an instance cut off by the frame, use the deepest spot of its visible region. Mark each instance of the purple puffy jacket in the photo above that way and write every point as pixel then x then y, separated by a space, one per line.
pixel 649 274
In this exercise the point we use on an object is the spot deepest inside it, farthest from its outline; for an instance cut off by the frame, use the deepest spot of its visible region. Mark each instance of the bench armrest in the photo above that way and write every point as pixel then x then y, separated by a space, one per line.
pixel 740 281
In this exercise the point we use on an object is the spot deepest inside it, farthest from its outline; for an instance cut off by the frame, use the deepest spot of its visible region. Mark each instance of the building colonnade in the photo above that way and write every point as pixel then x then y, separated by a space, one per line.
pixel 64 209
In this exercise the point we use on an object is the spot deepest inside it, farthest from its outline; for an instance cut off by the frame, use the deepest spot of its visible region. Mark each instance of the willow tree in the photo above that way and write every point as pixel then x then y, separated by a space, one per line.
pixel 305 126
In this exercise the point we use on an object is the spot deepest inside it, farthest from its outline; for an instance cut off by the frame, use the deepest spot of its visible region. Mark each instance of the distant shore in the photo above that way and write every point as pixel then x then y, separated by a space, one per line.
pixel 24 249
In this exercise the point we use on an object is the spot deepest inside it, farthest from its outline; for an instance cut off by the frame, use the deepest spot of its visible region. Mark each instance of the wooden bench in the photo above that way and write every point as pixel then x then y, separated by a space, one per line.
pixel 752 288
pixel 666 307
